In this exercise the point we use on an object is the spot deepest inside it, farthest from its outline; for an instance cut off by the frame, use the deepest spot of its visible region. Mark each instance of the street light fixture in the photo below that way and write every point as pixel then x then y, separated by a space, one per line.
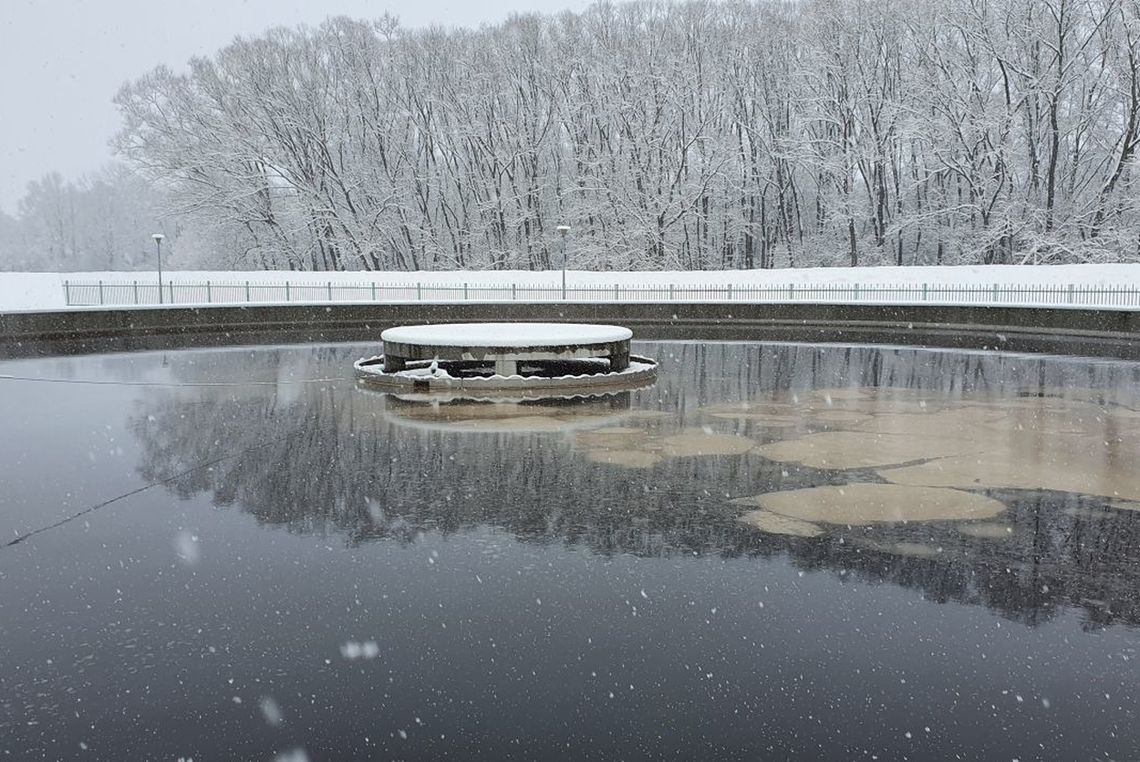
pixel 563 229
pixel 158 246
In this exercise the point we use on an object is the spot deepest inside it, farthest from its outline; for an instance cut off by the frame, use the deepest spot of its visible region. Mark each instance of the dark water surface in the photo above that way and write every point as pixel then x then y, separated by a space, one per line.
pixel 238 554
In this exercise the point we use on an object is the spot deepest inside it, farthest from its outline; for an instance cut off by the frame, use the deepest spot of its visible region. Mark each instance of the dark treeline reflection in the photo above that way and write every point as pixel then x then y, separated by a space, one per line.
pixel 327 457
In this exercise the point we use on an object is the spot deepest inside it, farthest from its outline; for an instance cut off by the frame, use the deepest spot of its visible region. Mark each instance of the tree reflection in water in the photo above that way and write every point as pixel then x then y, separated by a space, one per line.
pixel 330 458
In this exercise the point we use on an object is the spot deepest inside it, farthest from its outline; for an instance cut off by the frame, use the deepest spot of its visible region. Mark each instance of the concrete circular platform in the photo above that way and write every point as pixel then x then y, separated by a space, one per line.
pixel 513 358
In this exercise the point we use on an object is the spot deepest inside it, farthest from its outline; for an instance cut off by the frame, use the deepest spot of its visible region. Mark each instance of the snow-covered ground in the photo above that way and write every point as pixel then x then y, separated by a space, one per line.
pixel 1077 285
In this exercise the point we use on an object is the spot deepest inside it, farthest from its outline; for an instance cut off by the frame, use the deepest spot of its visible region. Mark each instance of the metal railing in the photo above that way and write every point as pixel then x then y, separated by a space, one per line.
pixel 119 293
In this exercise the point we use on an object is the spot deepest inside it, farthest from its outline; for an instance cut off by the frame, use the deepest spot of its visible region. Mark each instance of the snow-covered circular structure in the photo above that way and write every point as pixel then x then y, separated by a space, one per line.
pixel 505 334
pixel 507 357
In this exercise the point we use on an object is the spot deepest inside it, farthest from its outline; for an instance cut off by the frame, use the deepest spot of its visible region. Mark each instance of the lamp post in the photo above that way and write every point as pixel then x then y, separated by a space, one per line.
pixel 158 247
pixel 563 229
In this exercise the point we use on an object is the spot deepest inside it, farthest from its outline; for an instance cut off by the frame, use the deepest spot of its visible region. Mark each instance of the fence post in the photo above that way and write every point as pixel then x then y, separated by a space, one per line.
pixel 67 292
pixel 1071 287
pixel 995 293
pixel 135 284
pixel 730 292
pixel 100 293
pixel 419 293
pixel 856 292
pixel 791 291
pixel 617 297
pixel 373 290
pixel 286 290
pixel 330 290
pixel 924 292
pixel 464 292
pixel 514 292
pixel 670 292
pixel 247 290
pixel 209 294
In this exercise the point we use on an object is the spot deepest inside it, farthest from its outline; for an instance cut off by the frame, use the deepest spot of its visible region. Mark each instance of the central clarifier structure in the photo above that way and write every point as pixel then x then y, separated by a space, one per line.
pixel 507 357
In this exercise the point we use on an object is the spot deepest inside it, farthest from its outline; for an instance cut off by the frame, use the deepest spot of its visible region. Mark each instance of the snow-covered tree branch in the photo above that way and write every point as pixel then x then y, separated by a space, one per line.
pixel 693 135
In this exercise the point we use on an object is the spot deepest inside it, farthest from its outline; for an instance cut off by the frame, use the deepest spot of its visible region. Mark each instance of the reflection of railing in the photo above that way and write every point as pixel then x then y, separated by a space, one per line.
pixel 249 292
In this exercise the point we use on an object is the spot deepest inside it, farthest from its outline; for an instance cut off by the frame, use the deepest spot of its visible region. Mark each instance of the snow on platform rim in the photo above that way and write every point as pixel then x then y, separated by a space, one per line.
pixel 505 334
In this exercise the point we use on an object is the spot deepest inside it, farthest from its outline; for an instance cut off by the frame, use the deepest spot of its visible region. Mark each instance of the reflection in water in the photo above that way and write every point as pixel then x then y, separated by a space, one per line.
pixel 542 414
pixel 746 561
pixel 659 472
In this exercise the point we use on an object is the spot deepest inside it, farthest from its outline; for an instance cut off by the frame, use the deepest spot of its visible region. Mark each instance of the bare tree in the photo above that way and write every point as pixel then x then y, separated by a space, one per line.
pixel 689 135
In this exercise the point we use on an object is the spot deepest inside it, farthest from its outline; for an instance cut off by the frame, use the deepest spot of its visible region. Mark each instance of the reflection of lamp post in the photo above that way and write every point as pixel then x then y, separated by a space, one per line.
pixel 158 246
pixel 563 229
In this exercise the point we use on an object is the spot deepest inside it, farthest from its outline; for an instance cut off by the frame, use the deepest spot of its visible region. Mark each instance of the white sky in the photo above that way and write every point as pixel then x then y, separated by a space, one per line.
pixel 61 62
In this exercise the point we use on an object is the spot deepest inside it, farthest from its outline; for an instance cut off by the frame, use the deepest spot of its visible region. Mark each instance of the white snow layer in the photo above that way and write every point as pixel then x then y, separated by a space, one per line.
pixel 505 334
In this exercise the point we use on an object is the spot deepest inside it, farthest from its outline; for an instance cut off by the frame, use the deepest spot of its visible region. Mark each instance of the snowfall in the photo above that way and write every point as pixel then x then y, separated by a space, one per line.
pixel 47 291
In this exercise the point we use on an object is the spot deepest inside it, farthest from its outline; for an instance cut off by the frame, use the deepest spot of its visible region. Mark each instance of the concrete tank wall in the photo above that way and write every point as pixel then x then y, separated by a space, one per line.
pixel 1103 333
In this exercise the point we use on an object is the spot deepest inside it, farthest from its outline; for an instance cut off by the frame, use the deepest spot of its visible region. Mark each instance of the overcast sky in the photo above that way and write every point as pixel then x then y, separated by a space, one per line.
pixel 61 62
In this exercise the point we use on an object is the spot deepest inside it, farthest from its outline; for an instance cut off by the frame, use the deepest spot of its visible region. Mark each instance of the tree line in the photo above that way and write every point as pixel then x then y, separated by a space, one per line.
pixel 665 135
pixel 102 221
